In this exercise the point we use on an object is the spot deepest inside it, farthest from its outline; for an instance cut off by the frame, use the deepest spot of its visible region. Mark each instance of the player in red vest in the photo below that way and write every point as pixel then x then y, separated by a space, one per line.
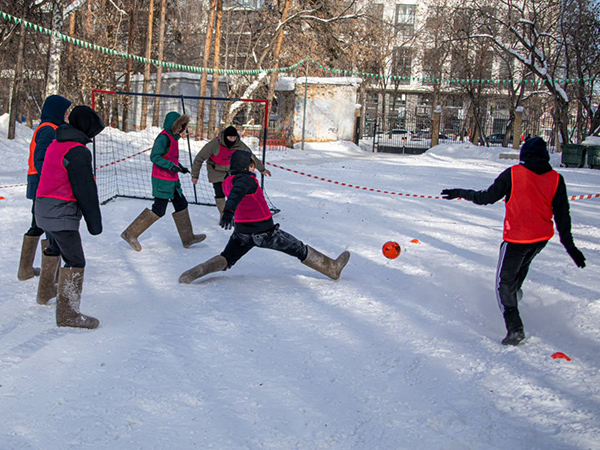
pixel 247 211
pixel 67 193
pixel 54 113
pixel 534 194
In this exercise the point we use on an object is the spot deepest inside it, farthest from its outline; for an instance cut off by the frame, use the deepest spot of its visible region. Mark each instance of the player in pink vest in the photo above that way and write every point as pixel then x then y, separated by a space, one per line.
pixel 216 154
pixel 166 186
pixel 66 193
pixel 247 211
pixel 534 194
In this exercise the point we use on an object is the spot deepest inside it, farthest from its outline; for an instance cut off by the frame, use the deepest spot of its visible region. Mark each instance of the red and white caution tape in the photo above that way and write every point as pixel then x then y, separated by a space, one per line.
pixel 381 191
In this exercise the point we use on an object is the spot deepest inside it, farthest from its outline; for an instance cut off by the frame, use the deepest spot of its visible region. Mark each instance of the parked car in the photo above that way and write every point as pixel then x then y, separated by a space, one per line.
pixel 498 138
pixel 402 134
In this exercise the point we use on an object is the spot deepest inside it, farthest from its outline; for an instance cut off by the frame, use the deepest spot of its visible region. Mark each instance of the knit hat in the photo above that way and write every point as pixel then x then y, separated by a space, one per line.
pixel 534 148
pixel 227 132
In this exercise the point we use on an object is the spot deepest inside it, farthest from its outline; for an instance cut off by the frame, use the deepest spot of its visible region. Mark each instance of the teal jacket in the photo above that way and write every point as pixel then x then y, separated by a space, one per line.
pixel 165 188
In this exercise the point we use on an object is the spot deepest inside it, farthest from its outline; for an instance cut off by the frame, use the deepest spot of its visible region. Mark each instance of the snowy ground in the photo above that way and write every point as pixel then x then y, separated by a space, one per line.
pixel 397 354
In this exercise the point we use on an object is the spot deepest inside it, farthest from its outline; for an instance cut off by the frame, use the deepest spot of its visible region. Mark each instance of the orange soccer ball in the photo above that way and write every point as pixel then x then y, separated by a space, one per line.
pixel 391 250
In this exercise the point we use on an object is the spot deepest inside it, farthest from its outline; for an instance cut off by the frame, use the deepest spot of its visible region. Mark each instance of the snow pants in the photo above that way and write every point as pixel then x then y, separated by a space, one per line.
pixel 159 207
pixel 239 244
pixel 68 245
pixel 513 265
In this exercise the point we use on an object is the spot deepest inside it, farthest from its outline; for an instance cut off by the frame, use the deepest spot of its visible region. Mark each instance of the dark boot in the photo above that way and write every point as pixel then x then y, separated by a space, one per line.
pixel 220 206
pixel 514 327
pixel 47 284
pixel 28 249
pixel 215 264
pixel 324 264
pixel 184 228
pixel 137 227
pixel 70 285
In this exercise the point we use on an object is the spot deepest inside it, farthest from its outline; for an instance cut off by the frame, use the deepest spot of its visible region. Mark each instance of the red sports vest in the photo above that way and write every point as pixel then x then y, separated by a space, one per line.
pixel 33 145
pixel 253 207
pixel 54 181
pixel 529 210
pixel 224 156
pixel 173 156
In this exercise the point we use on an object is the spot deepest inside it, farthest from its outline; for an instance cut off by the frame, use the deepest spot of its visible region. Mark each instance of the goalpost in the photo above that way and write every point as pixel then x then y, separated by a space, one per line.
pixel 121 152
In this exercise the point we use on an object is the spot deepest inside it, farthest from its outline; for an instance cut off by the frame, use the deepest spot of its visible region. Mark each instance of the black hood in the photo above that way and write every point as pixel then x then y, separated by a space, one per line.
pixel 534 155
pixel 86 120
pixel 240 162
pixel 230 131
pixel 54 109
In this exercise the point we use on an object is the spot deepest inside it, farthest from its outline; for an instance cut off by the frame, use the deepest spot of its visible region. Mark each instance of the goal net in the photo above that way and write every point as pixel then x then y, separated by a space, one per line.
pixel 133 121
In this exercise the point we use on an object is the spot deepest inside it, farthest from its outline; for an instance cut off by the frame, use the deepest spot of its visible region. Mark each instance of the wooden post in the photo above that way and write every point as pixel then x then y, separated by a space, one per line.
pixel 518 127
pixel 435 126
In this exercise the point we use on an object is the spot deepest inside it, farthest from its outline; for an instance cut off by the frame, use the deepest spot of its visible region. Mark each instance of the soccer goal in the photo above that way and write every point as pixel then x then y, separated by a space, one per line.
pixel 133 120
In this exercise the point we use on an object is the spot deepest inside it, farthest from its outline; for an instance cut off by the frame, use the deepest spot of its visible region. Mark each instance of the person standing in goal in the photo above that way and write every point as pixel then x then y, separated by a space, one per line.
pixel 166 186
pixel 54 114
pixel 217 153
pixel 535 194
pixel 246 211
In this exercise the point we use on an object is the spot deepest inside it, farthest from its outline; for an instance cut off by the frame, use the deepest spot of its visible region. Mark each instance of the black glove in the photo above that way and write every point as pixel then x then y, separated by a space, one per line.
pixel 176 169
pixel 449 194
pixel 227 220
pixel 183 169
pixel 577 256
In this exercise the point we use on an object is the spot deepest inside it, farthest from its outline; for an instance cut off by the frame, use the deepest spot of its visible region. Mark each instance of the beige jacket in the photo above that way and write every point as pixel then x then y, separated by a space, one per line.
pixel 216 173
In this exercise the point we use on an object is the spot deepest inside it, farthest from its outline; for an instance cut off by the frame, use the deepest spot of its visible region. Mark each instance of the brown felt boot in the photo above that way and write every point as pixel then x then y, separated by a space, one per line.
pixel 220 206
pixel 184 228
pixel 70 285
pixel 137 227
pixel 324 264
pixel 28 249
pixel 47 284
pixel 215 264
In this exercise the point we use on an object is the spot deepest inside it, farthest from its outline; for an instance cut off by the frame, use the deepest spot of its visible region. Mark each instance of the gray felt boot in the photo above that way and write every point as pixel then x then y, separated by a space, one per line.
pixel 137 227
pixel 28 249
pixel 47 283
pixel 184 228
pixel 70 285
pixel 324 264
pixel 215 264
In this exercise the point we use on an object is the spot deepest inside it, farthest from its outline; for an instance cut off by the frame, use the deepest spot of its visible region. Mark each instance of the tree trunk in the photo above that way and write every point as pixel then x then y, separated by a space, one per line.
pixel 277 53
pixel 147 67
pixel 205 59
pixel 214 91
pixel 55 50
pixel 161 46
pixel 129 69
pixel 16 87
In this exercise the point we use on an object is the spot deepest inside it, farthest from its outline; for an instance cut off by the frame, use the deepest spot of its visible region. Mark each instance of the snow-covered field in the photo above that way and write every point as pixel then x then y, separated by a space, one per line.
pixel 397 354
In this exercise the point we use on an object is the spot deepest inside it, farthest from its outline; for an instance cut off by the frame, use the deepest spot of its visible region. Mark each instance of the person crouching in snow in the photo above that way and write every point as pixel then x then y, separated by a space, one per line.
pixel 534 193
pixel 246 210
pixel 166 186
pixel 67 191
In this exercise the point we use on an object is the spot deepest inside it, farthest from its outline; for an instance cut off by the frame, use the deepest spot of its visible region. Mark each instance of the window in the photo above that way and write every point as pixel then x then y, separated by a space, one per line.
pixel 405 22
pixel 402 62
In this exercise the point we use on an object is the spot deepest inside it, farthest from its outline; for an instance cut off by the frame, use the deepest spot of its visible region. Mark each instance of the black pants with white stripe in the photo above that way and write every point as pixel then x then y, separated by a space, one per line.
pixel 513 265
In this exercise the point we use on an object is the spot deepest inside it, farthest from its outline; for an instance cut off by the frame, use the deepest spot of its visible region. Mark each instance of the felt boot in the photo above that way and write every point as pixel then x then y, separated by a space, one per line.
pixel 514 327
pixel 324 264
pixel 215 264
pixel 47 284
pixel 184 228
pixel 137 227
pixel 28 249
pixel 70 285
pixel 220 206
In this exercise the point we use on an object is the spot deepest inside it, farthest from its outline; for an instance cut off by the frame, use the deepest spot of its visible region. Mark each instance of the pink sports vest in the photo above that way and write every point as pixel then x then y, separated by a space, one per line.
pixel 253 207
pixel 224 156
pixel 173 156
pixel 54 181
